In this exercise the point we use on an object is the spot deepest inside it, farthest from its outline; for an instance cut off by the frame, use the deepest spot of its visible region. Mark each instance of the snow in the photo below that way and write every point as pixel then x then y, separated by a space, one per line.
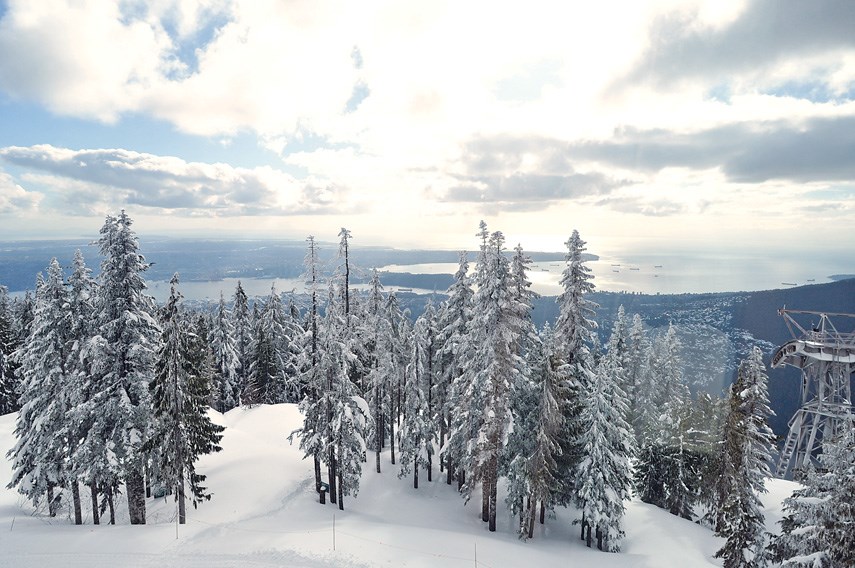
pixel 264 512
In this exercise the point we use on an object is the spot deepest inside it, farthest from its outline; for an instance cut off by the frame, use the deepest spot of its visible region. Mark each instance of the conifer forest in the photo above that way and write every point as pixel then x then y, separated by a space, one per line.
pixel 113 395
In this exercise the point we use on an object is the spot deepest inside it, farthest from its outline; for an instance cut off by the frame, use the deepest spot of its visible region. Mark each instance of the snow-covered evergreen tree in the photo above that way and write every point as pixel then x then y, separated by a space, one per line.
pixel 495 332
pixel 574 332
pixel 605 475
pixel 379 366
pixel 453 322
pixel 122 359
pixel 243 336
pixel 818 529
pixel 226 386
pixel 639 389
pixel 746 454
pixel 418 432
pixel 183 430
pixel 266 381
pixel 9 382
pixel 39 458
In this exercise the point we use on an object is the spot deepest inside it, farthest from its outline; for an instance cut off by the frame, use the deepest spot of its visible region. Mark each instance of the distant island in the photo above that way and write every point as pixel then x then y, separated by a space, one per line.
pixel 837 277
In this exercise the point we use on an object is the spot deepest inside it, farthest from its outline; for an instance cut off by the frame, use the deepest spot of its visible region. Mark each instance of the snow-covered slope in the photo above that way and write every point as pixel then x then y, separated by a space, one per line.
pixel 264 512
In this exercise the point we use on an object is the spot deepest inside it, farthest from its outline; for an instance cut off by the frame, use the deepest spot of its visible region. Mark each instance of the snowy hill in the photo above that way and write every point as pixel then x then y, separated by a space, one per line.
pixel 265 513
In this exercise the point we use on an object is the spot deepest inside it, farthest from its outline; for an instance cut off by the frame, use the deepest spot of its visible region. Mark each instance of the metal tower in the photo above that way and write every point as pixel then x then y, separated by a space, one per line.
pixel 826 358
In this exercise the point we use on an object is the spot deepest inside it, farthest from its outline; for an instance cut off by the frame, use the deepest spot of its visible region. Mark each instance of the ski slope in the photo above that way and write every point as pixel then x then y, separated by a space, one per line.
pixel 264 512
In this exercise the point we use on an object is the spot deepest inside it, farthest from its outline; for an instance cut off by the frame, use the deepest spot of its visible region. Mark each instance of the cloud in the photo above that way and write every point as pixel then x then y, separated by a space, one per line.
pixel 533 191
pixel 812 150
pixel 763 38
pixel 14 198
pixel 118 176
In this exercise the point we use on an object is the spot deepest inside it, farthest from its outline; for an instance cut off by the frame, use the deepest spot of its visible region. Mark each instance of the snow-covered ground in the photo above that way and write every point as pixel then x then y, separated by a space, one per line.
pixel 265 513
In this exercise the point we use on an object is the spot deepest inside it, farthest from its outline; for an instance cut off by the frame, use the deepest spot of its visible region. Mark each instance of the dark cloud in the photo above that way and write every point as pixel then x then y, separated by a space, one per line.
pixel 766 33
pixel 819 149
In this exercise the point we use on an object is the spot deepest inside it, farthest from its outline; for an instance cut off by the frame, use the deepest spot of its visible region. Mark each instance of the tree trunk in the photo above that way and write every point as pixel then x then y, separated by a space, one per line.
pixel 147 483
pixel 96 518
pixel 317 460
pixel 111 506
pixel 331 472
pixel 542 512
pixel 461 479
pixel 430 467
pixel 51 501
pixel 182 512
pixel 392 436
pixel 136 497
pixel 75 497
pixel 442 459
pixel 582 536
pixel 340 495
pixel 532 507
pixel 493 489
pixel 485 499
pixel 599 538
pixel 415 474
pixel 588 535
pixel 449 472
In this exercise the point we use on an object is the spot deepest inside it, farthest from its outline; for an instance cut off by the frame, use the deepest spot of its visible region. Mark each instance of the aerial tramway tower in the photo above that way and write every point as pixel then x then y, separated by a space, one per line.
pixel 826 357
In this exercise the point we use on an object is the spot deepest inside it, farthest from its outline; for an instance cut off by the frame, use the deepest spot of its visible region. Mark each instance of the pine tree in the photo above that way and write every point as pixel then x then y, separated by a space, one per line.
pixel 604 473
pixel 745 466
pixel 313 434
pixel 418 433
pixel 454 320
pixel 376 330
pixel 243 336
pixel 639 390
pixel 179 392
pixel 122 356
pixel 226 360
pixel 574 332
pixel 9 382
pixel 818 529
pixel 39 458
pixel 496 333
pixel 266 382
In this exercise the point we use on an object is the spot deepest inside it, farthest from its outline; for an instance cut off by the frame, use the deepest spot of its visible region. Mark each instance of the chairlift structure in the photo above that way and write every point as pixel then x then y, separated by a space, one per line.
pixel 826 357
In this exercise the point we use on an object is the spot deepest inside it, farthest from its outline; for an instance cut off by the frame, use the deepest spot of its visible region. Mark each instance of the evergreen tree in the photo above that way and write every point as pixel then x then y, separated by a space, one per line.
pixel 179 391
pixel 417 432
pixel 313 437
pixel 122 358
pixel 226 360
pixel 39 458
pixel 376 329
pixel 454 320
pixel 604 473
pixel 266 382
pixel 818 529
pixel 243 337
pixel 496 333
pixel 745 466
pixel 9 382
pixel 574 332
pixel 639 389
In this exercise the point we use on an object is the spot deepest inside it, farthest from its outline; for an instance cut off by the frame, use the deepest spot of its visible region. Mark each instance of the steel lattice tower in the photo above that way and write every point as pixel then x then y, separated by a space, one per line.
pixel 826 358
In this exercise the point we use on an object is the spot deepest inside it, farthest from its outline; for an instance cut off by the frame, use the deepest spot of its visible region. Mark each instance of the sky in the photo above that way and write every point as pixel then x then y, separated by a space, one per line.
pixel 691 125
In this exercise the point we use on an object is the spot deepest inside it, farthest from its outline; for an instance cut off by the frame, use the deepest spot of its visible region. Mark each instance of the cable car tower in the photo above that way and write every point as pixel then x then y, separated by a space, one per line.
pixel 826 357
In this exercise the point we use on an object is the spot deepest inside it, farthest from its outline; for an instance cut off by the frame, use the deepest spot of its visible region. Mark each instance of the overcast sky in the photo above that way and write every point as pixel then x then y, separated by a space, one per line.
pixel 685 125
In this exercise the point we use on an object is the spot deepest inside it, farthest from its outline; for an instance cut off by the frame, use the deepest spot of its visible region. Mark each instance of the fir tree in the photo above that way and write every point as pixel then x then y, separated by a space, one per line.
pixel 9 382
pixel 746 454
pixel 818 529
pixel 243 336
pixel 604 472
pixel 417 433
pixel 454 319
pixel 122 357
pixel 574 332
pixel 39 458
pixel 226 360
pixel 179 390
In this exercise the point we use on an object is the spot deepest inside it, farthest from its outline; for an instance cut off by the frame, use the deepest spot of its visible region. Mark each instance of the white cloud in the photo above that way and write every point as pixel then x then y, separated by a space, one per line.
pixel 89 181
pixel 14 199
